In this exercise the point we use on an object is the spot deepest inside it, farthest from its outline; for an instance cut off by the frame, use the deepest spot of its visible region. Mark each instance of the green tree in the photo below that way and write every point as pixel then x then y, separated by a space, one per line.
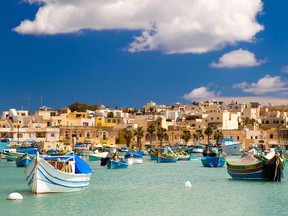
pixel 128 136
pixel 208 132
pixel 81 107
pixel 186 136
pixel 218 134
pixel 139 133
pixel 198 134
pixel 161 132
pixel 151 131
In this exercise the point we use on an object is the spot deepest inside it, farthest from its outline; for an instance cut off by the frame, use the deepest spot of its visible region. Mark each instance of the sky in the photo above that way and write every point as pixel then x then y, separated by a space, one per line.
pixel 125 53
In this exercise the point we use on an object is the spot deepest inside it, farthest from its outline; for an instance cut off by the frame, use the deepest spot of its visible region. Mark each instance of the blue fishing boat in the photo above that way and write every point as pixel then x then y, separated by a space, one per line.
pixel 213 157
pixel 216 161
pixel 117 164
pixel 166 157
pixel 257 167
pixel 134 157
pixel 23 161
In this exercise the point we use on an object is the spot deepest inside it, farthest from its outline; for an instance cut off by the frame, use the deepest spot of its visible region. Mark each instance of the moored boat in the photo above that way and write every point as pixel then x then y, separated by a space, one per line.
pixel 166 157
pixel 229 146
pixel 97 156
pixel 213 157
pixel 216 161
pixel 152 153
pixel 23 161
pixel 117 164
pixel 184 156
pixel 58 174
pixel 134 157
pixel 257 167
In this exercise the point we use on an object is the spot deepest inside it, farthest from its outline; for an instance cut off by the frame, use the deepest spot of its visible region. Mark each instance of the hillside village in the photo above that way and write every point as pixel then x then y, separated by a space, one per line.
pixel 252 124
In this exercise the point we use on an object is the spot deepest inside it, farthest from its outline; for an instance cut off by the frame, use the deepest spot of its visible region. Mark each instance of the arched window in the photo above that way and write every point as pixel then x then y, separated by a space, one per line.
pixel 104 135
pixel 88 135
pixel 74 134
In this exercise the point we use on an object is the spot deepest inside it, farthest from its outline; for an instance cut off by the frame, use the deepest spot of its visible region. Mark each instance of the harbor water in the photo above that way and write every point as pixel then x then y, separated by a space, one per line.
pixel 149 189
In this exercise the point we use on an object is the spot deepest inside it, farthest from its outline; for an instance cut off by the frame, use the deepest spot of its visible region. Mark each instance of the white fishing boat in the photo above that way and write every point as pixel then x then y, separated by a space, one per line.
pixel 229 146
pixel 58 174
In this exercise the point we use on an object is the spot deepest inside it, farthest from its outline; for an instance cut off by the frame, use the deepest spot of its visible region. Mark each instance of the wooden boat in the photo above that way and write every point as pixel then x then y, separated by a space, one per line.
pixel 58 174
pixel 216 161
pixel 187 157
pixel 97 156
pixel 23 161
pixel 213 157
pixel 134 157
pixel 117 164
pixel 166 157
pixel 184 155
pixel 152 153
pixel 257 167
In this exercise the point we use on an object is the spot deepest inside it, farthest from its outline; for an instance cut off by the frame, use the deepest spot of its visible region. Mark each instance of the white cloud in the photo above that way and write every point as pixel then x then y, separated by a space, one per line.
pixel 267 84
pixel 183 26
pixel 237 58
pixel 201 93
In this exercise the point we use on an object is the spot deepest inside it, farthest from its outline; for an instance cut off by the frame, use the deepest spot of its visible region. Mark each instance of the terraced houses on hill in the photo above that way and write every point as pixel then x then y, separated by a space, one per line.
pixel 252 124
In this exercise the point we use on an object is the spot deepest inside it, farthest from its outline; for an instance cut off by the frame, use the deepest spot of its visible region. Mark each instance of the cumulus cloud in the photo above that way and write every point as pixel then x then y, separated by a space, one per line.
pixel 201 93
pixel 267 84
pixel 237 58
pixel 183 26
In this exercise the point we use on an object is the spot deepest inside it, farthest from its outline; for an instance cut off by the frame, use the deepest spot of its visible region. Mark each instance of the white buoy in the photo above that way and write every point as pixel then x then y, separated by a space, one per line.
pixel 15 196
pixel 188 184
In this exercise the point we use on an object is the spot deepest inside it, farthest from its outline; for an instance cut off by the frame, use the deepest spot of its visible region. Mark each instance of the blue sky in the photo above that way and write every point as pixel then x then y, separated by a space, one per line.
pixel 126 53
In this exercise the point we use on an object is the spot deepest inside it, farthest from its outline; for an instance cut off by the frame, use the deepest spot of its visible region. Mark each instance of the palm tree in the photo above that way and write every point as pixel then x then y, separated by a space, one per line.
pixel 198 134
pixel 208 132
pixel 139 133
pixel 161 132
pixel 151 131
pixel 218 134
pixel 128 136
pixel 186 136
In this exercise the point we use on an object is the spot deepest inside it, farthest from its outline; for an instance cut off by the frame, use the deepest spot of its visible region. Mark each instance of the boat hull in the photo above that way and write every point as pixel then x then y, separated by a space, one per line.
pixel 166 158
pixel 44 178
pixel 171 159
pixel 97 156
pixel 213 161
pixel 187 157
pixel 270 170
pixel 233 149
pixel 23 161
pixel 117 164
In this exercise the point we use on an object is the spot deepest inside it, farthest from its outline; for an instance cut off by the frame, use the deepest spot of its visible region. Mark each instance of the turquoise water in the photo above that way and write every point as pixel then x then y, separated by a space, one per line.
pixel 149 189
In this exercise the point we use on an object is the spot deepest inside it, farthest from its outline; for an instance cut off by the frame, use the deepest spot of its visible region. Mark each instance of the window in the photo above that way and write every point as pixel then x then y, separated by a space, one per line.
pixel 67 135
pixel 104 135
pixel 271 136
